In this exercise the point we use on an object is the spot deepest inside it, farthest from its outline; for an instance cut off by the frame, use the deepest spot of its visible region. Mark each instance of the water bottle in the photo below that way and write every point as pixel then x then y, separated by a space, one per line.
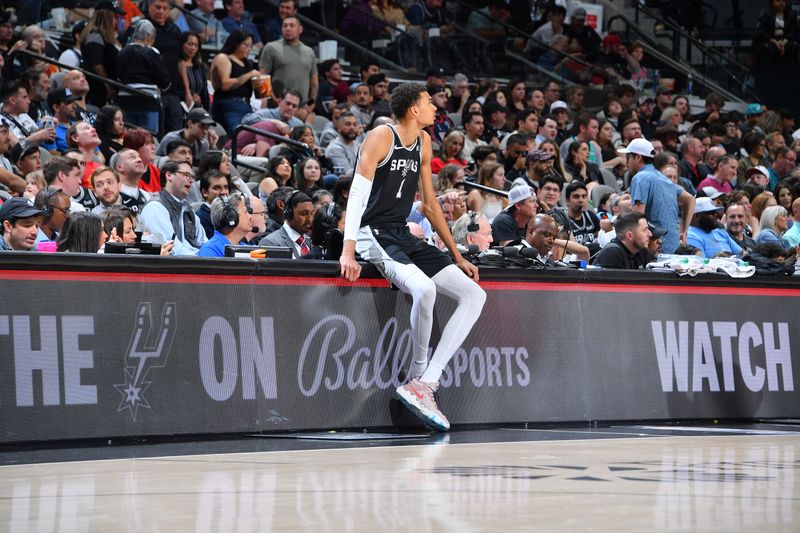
pixel 689 84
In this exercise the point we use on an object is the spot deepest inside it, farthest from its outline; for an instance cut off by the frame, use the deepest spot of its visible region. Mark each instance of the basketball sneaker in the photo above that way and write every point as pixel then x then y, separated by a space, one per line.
pixel 418 397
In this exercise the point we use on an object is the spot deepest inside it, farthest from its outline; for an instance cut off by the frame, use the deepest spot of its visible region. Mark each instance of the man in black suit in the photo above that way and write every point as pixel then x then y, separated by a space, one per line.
pixel 297 216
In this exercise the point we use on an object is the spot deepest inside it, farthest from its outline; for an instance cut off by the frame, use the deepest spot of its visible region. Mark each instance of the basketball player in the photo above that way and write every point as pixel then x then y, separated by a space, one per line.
pixel 392 162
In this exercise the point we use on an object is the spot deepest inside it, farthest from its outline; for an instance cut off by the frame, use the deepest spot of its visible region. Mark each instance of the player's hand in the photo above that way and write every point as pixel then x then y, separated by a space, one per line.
pixel 350 269
pixel 469 269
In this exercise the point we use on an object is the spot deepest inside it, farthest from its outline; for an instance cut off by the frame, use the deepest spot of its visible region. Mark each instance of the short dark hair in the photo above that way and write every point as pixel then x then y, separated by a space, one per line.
pixel 293 92
pixel 723 160
pixel 278 195
pixel 522 115
pixel 515 138
pixel 327 65
pixel 205 179
pixel 627 222
pixel 549 178
pixel 469 115
pixel 573 186
pixel 404 96
pixel 173 145
pixel 172 166
pixel 81 233
pixel 481 152
pixel 584 119
pixel 11 89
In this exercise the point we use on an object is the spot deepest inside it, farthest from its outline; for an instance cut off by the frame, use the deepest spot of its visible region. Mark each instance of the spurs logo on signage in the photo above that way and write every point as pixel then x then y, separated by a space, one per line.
pixel 691 354
pixel 149 348
pixel 329 357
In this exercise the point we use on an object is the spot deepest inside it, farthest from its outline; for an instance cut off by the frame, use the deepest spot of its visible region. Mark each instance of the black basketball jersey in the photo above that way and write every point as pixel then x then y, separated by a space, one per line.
pixel 394 185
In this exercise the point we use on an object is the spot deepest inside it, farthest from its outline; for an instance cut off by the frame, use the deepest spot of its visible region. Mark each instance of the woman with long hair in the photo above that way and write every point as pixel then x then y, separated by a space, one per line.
pixel 82 233
pixel 449 152
pixel 515 93
pixel 308 176
pixel 279 174
pixel 605 139
pixel 110 126
pixel 231 75
pixel 451 176
pixel 192 72
pixel 784 195
pixel 579 166
pixel 99 47
pixel 761 202
pixel 557 169
pixel 490 205
pixel 755 144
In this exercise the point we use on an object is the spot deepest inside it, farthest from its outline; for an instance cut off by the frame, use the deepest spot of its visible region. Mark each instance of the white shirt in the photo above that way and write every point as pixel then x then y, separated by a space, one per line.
pixel 294 236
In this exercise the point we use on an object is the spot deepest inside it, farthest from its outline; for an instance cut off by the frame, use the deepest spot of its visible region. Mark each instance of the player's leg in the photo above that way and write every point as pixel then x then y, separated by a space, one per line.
pixel 452 282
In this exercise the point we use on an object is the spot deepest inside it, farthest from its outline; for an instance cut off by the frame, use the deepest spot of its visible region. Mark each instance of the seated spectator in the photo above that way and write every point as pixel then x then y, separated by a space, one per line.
pixel 105 182
pixel 577 30
pixel 130 169
pixel 549 192
pixel 171 214
pixel 279 174
pixel 206 24
pixel 20 224
pixel 784 195
pixel 577 219
pixel 308 176
pixel 761 202
pixel 285 111
pixel 508 228
pixel 724 175
pixel 82 233
pixel 110 127
pixel 736 225
pixel 276 203
pixel 198 132
pixel 83 137
pixel 35 183
pixel 538 164
pixel 774 223
pixel 541 235
pixel 231 223
pixel 76 83
pixel 629 249
pixel 213 184
pixel 298 215
pixel 450 152
pixel 179 150
pixel 578 165
pixel 706 234
pixel 15 116
pixel 64 173
pixel 488 204
pixel 343 150
pixel 26 158
pixel 451 176
pixel 141 141
pixel 119 221
pixel 63 108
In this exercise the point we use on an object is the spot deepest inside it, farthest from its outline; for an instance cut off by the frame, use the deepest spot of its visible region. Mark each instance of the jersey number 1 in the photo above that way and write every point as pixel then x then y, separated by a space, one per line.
pixel 400 190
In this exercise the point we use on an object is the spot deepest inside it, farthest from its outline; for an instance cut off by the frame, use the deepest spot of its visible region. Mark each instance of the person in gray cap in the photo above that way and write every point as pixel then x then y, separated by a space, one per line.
pixel 198 132
pixel 20 224
pixel 585 35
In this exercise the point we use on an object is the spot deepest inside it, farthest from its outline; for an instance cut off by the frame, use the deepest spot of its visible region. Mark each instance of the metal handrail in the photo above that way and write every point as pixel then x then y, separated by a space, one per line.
pixel 263 133
pixel 694 40
pixel 86 73
pixel 385 23
pixel 484 188
pixel 344 40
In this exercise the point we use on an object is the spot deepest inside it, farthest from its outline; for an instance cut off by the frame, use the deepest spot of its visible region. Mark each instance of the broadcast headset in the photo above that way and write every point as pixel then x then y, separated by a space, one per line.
pixel 229 218
pixel 288 209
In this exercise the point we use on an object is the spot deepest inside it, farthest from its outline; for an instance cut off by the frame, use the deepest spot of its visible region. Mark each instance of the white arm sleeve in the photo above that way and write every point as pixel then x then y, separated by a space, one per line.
pixel 356 203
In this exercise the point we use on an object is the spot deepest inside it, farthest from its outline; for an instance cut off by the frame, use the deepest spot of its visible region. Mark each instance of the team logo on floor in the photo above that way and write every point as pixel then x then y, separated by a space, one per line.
pixel 149 348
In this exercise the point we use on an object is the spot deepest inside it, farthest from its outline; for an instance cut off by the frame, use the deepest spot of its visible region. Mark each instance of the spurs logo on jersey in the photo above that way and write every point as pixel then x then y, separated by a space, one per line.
pixel 404 166
pixel 394 185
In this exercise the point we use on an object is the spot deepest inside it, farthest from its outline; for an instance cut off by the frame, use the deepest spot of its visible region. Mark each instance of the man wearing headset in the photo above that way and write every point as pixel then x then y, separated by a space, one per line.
pixel 298 214
pixel 231 221
pixel 393 164
pixel 54 205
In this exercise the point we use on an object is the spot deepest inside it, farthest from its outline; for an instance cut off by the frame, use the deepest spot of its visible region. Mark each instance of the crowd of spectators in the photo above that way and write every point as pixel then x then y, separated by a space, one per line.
pixel 84 162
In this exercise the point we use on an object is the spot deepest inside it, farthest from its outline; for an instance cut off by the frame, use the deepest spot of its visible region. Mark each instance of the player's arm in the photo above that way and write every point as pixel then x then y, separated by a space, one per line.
pixel 433 211
pixel 373 151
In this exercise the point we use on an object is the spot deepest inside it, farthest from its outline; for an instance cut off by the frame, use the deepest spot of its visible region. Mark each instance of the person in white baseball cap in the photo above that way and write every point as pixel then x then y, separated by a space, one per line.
pixel 655 195
pixel 707 234
pixel 509 226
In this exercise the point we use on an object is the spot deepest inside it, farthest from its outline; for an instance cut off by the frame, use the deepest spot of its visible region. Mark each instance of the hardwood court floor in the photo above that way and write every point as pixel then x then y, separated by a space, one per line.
pixel 631 479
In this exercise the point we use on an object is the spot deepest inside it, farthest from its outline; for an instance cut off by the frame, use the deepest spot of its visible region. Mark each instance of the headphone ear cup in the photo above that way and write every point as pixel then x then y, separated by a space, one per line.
pixel 288 211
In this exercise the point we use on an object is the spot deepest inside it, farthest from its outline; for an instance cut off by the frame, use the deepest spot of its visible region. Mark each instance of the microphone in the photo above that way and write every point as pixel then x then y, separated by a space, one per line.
pixel 510 251
pixel 469 249
pixel 530 253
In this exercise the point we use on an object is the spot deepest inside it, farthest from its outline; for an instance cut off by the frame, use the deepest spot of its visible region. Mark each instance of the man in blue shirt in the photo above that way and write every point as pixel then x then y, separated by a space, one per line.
pixel 231 221
pixel 655 195
pixel 706 234
pixel 238 19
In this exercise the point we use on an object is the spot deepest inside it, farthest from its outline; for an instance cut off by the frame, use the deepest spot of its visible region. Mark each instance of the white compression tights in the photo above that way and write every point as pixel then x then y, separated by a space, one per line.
pixel 453 283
